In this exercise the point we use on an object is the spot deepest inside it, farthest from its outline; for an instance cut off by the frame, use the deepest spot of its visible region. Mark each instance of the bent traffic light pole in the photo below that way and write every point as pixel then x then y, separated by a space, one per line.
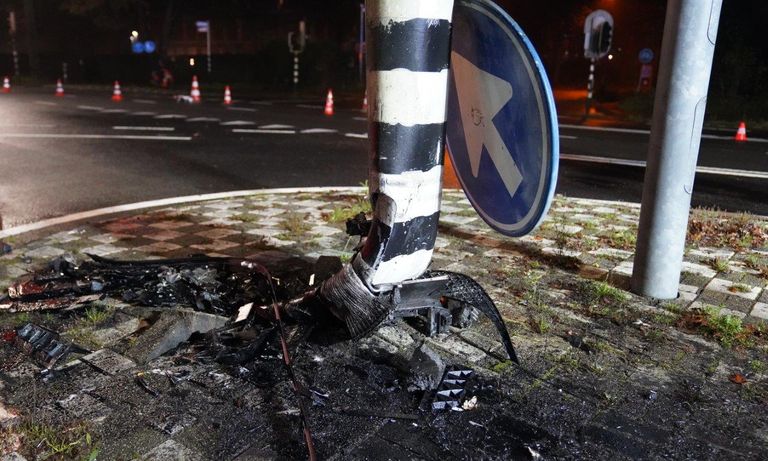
pixel 408 45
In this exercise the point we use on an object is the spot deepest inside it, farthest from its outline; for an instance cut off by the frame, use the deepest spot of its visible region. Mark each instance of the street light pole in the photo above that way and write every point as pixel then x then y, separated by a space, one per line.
pixel 208 40
pixel 690 31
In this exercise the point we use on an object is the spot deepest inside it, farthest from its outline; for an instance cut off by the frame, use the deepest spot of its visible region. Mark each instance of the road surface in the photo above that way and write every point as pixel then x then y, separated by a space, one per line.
pixel 83 151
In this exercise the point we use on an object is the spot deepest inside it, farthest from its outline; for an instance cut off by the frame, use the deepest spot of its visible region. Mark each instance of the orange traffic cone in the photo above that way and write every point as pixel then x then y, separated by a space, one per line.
pixel 741 133
pixel 329 103
pixel 117 95
pixel 365 101
pixel 227 96
pixel 195 93
pixel 6 85
pixel 59 88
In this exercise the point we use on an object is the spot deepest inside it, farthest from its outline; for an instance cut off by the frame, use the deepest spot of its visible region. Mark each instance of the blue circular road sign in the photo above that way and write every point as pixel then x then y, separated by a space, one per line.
pixel 149 46
pixel 645 56
pixel 137 47
pixel 502 130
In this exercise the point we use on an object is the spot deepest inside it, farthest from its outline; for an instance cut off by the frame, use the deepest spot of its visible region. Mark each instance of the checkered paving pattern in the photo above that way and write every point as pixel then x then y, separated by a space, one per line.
pixel 594 237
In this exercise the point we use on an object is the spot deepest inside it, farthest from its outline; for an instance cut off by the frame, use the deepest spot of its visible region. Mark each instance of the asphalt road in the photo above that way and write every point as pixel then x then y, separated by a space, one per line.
pixel 83 151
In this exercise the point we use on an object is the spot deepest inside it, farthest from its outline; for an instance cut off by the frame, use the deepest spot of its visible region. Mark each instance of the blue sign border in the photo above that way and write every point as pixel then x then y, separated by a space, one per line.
pixel 549 157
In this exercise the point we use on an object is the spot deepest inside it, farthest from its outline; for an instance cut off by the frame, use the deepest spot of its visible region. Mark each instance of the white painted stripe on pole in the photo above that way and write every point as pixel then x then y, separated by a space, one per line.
pixel 46 103
pixel 170 116
pixel 243 109
pixel 408 98
pixel 144 128
pixel 357 135
pixel 404 10
pixel 238 123
pixel 143 113
pixel 414 192
pixel 203 119
pixel 641 164
pixel 262 131
pixel 318 131
pixel 401 268
pixel 145 101
pixel 276 126
pixel 90 107
pixel 167 202
pixel 94 136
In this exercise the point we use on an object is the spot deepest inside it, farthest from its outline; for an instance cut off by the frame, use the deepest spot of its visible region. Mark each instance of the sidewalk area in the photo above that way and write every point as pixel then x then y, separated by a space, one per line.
pixel 604 374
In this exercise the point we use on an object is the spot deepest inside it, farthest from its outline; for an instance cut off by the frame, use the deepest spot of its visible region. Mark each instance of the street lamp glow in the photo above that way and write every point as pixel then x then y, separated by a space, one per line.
pixel 135 34
pixel 610 57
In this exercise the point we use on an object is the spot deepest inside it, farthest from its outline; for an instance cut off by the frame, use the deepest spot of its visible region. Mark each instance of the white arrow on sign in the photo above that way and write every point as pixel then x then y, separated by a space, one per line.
pixel 481 97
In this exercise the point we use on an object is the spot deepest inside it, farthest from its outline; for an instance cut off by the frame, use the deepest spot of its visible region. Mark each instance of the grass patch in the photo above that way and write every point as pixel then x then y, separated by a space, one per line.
pixel 501 367
pixel 342 213
pixel 245 217
pixel 715 228
pixel 719 264
pixel 97 313
pixel 295 226
pixel 622 240
pixel 727 329
pixel 757 366
pixel 43 441
pixel 739 288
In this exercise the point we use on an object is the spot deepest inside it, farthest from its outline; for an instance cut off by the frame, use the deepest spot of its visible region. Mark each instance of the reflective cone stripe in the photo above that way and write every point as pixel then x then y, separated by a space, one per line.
pixel 6 85
pixel 195 92
pixel 59 88
pixel 328 103
pixel 117 94
pixel 227 95
pixel 741 133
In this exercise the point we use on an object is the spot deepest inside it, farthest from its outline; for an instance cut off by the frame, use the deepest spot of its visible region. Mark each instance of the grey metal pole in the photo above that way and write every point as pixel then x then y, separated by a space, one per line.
pixel 208 40
pixel 690 31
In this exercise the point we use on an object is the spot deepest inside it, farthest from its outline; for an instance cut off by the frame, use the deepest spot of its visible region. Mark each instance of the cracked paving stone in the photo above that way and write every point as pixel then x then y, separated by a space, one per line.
pixel 108 361
pixel 734 289
pixel 760 311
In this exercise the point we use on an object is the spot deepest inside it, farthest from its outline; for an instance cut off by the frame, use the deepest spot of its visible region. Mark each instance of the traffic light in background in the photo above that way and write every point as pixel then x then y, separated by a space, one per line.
pixel 604 38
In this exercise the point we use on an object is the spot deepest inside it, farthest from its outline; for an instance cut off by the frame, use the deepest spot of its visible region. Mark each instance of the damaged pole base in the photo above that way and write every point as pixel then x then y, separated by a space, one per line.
pixel 423 299
pixel 441 299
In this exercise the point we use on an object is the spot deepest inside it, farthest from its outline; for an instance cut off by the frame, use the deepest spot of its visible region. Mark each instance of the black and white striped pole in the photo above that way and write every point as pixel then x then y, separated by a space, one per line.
pixel 408 48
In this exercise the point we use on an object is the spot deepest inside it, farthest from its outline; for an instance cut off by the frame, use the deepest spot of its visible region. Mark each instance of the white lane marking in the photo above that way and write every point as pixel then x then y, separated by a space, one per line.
pixel 169 116
pixel 166 202
pixel 25 125
pixel 730 138
pixel 641 164
pixel 113 111
pixel 238 123
pixel 145 128
pixel 362 119
pixel 419 99
pixel 94 136
pixel 46 103
pixel 90 107
pixel 145 101
pixel 357 135
pixel 565 136
pixel 262 131
pixel 276 126
pixel 243 109
pixel 146 113
pixel 203 119
pixel 637 131
pixel 318 131
pixel 604 128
